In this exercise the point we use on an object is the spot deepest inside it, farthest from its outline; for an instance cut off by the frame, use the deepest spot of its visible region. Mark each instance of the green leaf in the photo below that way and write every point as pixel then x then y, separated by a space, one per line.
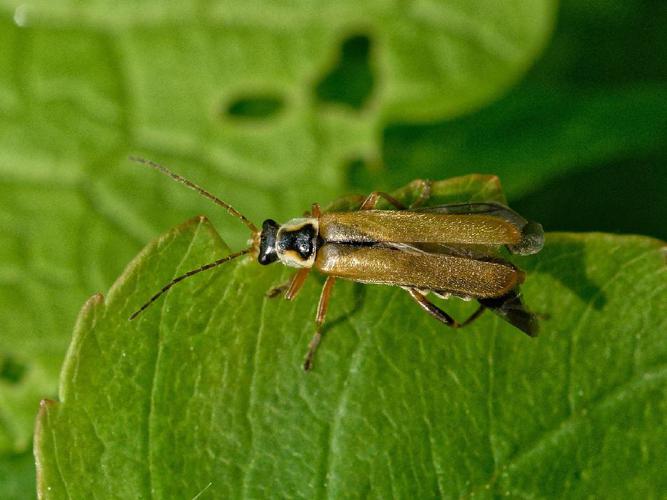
pixel 224 93
pixel 205 392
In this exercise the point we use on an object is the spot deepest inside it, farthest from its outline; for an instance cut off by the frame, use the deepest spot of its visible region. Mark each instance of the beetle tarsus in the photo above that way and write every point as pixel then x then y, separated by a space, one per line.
pixel 322 308
pixel 312 347
pixel 472 317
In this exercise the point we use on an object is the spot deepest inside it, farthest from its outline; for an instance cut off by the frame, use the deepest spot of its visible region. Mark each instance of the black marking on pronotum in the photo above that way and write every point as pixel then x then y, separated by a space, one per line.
pixel 302 240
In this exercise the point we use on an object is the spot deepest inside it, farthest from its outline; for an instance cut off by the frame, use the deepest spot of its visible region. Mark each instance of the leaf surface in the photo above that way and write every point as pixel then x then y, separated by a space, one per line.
pixel 204 393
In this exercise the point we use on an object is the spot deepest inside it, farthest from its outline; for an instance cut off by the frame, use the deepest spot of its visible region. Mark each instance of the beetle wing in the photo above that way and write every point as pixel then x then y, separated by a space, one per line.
pixel 405 265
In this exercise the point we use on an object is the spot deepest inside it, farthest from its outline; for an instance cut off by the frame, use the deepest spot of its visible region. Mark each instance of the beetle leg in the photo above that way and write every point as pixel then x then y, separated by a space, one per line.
pixel 314 211
pixel 297 282
pixel 431 308
pixel 424 195
pixel 438 313
pixel 473 316
pixel 372 199
pixel 291 287
pixel 319 321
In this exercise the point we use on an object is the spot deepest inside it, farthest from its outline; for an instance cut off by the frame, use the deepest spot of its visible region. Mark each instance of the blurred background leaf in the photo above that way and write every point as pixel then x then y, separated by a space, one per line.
pixel 273 107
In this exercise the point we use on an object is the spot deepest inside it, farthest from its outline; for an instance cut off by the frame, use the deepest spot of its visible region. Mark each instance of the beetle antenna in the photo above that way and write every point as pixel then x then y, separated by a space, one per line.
pixel 180 278
pixel 230 209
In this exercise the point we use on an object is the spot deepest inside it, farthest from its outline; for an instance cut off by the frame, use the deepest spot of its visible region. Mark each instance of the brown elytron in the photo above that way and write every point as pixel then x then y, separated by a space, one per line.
pixel 445 250
pixel 427 271
pixel 412 226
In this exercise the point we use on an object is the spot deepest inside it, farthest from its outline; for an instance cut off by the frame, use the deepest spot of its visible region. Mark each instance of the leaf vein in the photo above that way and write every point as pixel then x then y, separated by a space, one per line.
pixel 156 367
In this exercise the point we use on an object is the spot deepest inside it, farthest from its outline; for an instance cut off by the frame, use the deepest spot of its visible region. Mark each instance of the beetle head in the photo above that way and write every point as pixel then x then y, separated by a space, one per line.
pixel 267 243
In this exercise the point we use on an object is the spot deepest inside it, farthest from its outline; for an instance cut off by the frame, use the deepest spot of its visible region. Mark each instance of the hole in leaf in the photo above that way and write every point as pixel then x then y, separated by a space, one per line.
pixel 255 107
pixel 350 82
pixel 11 370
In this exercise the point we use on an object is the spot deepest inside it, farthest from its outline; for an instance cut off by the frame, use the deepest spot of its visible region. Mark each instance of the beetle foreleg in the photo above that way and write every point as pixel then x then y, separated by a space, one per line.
pixel 438 313
pixel 291 287
pixel 319 321
pixel 297 282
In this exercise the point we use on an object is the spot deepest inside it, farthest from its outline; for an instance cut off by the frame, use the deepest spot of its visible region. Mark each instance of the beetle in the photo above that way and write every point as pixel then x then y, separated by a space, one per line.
pixel 447 250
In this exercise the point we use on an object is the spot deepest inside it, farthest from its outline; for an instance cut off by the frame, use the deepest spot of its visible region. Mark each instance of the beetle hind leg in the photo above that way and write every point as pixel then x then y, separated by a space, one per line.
pixel 509 307
pixel 290 287
pixel 438 313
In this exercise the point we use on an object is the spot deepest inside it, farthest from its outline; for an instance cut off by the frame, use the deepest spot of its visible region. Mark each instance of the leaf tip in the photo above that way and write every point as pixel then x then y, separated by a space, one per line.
pixel 90 305
pixel 46 402
pixel 95 299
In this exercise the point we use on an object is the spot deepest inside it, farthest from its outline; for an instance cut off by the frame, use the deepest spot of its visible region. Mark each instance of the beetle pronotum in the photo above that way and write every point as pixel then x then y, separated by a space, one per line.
pixel 445 250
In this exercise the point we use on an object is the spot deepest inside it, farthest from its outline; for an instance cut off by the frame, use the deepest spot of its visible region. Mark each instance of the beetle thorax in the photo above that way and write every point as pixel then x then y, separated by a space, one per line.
pixel 293 243
pixel 296 242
